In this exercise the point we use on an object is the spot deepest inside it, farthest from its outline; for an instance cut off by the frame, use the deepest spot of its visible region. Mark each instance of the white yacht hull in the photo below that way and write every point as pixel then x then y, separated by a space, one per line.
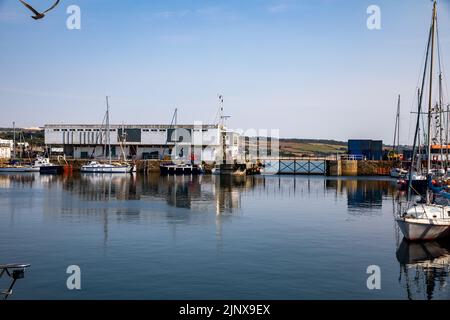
pixel 415 229
pixel 106 169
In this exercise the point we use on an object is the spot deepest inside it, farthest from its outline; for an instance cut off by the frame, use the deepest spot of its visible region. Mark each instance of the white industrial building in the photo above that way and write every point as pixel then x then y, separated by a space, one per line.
pixel 6 147
pixel 181 142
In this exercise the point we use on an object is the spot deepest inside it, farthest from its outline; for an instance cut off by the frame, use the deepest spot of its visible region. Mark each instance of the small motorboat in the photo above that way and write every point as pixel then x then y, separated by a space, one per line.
pixel 46 167
pixel 226 169
pixel 398 172
pixel 419 182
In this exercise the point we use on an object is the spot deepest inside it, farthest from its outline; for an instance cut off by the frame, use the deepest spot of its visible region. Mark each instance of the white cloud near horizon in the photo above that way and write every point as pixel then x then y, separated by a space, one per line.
pixel 278 8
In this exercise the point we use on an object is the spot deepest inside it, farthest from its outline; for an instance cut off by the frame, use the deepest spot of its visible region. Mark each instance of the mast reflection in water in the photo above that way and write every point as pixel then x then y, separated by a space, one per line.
pixel 424 270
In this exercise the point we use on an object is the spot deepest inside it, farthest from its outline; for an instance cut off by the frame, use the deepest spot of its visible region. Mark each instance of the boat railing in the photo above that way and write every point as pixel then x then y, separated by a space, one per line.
pixel 15 271
pixel 419 210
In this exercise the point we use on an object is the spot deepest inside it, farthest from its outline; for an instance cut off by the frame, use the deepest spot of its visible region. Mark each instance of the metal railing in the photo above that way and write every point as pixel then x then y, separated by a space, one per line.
pixel 15 271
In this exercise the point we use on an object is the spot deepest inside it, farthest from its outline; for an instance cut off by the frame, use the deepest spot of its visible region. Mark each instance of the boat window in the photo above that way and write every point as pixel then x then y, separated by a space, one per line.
pixel 55 129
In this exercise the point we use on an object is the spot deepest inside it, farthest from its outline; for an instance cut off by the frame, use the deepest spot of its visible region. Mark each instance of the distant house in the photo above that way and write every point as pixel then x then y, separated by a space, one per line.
pixel 6 147
pixel 366 149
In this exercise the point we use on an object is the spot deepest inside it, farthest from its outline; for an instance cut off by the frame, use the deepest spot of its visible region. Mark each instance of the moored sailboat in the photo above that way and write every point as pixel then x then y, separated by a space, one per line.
pixel 110 166
pixel 426 220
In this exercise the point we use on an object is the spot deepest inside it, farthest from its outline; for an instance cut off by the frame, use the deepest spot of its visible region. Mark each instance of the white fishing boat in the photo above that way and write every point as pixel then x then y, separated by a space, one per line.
pixel 43 165
pixel 110 167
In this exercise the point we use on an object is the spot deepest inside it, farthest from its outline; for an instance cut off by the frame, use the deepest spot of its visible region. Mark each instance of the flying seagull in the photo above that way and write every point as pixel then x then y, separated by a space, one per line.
pixel 38 15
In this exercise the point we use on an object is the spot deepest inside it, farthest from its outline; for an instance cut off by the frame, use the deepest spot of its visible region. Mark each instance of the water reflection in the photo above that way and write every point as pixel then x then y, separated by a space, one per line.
pixel 424 269
pixel 23 179
pixel 263 222
pixel 220 194
pixel 208 192
pixel 364 196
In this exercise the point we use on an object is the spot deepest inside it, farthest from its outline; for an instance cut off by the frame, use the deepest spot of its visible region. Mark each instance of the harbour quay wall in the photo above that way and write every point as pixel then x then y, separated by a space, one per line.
pixel 375 167
pixel 339 167
pixel 359 167
pixel 141 165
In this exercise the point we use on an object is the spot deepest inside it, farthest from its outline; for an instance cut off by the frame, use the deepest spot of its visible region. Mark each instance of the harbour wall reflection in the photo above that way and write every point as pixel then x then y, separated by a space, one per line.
pixel 208 192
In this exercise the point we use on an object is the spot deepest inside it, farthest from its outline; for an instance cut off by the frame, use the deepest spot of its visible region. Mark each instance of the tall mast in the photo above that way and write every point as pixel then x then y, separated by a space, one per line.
pixel 441 122
pixel 398 128
pixel 222 130
pixel 419 110
pixel 175 116
pixel 108 135
pixel 447 122
pixel 396 143
pixel 433 20
pixel 22 144
pixel 123 139
pixel 14 139
pixel 173 123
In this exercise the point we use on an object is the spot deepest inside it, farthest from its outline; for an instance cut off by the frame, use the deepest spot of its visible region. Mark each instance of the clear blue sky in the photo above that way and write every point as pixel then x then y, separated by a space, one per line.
pixel 309 68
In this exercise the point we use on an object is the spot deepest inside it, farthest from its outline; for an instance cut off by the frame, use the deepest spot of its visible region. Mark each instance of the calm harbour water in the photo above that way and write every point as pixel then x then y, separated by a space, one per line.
pixel 210 237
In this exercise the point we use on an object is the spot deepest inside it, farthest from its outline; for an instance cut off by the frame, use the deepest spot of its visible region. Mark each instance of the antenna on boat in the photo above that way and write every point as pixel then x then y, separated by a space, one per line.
pixel 222 117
